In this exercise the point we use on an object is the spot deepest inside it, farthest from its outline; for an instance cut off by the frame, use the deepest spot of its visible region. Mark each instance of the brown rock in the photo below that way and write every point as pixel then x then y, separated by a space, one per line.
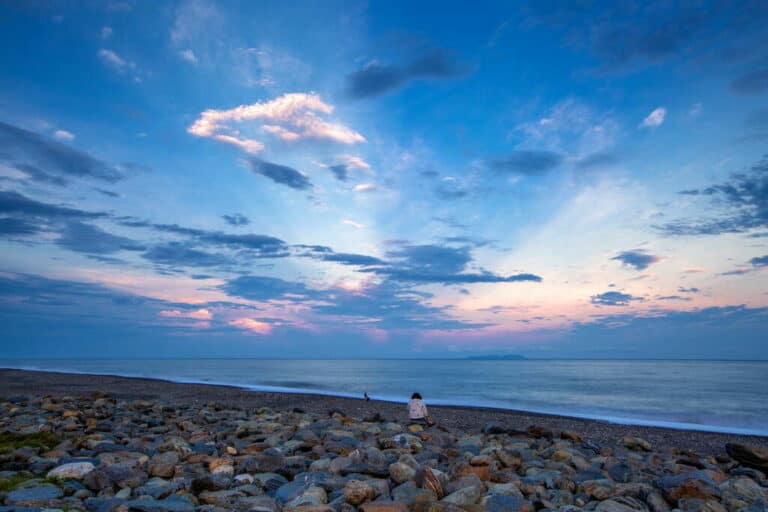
pixel 384 506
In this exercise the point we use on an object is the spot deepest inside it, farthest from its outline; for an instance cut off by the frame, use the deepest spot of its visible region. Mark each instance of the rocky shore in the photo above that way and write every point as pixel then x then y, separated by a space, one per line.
pixel 102 452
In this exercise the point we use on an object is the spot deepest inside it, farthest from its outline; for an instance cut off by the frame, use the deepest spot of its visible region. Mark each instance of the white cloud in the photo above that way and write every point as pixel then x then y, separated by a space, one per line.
pixel 571 126
pixel 116 61
pixel 188 55
pixel 64 135
pixel 106 32
pixel 365 187
pixel 289 117
pixel 354 162
pixel 655 118
pixel 119 64
pixel 352 223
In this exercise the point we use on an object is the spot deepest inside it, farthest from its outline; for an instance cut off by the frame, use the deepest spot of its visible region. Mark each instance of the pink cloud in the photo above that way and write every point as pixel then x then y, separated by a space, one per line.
pixel 200 314
pixel 289 117
pixel 249 324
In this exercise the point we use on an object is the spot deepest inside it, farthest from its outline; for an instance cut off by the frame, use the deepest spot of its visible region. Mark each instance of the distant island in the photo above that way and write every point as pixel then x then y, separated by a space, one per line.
pixel 497 357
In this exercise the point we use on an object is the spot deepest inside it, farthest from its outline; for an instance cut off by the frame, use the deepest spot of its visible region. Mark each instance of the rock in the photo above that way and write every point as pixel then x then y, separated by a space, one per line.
pixel 312 496
pixel 357 492
pixel 426 478
pixel 601 489
pixel 742 492
pixel 621 504
pixel 224 499
pixel 636 443
pixel 383 506
pixel 699 505
pixel 74 470
pixel 33 496
pixel 494 428
pixel 409 494
pixel 401 472
pixel 656 503
pixel 464 496
pixel 170 504
pixel 693 484
pixel 571 436
pixel 290 491
pixel 620 472
pixel 750 456
pixel 163 464
pixel 505 503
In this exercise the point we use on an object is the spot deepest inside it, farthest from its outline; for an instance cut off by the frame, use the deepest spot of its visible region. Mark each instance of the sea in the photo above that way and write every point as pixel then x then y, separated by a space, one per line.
pixel 718 396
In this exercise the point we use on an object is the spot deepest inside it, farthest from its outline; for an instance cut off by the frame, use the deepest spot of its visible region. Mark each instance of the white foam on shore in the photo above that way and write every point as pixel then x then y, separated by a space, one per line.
pixel 675 425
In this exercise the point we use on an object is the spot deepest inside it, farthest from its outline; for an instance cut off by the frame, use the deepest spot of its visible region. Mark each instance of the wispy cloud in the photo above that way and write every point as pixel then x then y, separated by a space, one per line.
pixel 655 118
pixel 290 117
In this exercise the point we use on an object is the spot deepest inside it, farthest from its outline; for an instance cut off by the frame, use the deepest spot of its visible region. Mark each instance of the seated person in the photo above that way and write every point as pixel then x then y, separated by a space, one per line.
pixel 417 411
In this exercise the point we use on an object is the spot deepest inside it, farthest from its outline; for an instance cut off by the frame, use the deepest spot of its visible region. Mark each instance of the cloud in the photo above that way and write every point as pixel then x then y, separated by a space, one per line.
pixel 180 254
pixel 421 264
pixel 64 135
pixel 753 82
pixel 624 35
pixel 188 55
pixel 365 187
pixel 197 314
pixel 759 262
pixel 119 64
pixel 637 259
pixel 46 160
pixel 674 297
pixel 655 118
pixel 236 219
pixel 346 163
pixel 10 227
pixel 598 160
pixel 290 117
pixel 339 171
pixel 526 163
pixel 13 203
pixel 688 290
pixel 376 78
pixel 263 288
pixel 86 238
pixel 281 174
pixel 613 298
pixel 105 192
pixel 745 198
pixel 352 223
pixel 256 245
pixel 251 325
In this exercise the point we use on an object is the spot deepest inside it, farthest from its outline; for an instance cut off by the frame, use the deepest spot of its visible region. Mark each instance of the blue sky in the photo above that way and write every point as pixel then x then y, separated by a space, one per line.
pixel 348 179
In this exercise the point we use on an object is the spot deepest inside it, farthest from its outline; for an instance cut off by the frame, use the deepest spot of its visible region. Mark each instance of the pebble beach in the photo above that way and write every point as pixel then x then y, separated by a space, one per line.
pixel 105 443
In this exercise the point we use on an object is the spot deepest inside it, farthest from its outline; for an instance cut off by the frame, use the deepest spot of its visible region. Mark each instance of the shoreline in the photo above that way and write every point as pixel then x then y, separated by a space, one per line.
pixel 309 393
pixel 469 419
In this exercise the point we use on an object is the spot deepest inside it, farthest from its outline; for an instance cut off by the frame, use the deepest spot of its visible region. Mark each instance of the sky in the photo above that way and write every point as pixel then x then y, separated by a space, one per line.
pixel 384 179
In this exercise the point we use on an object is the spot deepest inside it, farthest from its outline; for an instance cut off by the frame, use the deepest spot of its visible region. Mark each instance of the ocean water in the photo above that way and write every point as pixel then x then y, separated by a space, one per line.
pixel 724 396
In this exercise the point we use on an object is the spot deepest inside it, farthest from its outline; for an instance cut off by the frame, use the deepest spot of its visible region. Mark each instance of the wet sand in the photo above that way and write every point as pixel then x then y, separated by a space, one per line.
pixel 465 419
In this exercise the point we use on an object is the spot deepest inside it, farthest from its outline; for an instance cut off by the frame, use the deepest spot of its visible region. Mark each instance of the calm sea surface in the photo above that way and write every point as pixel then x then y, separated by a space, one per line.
pixel 728 396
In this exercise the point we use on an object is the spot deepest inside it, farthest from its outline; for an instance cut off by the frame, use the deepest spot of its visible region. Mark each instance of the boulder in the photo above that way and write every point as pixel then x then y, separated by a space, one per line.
pixel 693 484
pixel 636 443
pixel 750 456
pixel 358 491
pixel 33 496
pixel 401 472
pixel 505 503
pixel 74 470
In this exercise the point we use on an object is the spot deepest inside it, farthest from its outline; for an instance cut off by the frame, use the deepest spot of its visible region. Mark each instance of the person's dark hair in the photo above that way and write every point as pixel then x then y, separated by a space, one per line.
pixel 415 396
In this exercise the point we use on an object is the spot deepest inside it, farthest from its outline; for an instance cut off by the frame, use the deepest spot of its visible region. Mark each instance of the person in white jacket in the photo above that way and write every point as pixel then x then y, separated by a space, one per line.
pixel 417 411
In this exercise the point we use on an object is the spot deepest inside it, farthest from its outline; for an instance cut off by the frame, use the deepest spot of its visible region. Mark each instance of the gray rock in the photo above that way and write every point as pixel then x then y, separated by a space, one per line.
pixel 33 495
pixel 504 503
